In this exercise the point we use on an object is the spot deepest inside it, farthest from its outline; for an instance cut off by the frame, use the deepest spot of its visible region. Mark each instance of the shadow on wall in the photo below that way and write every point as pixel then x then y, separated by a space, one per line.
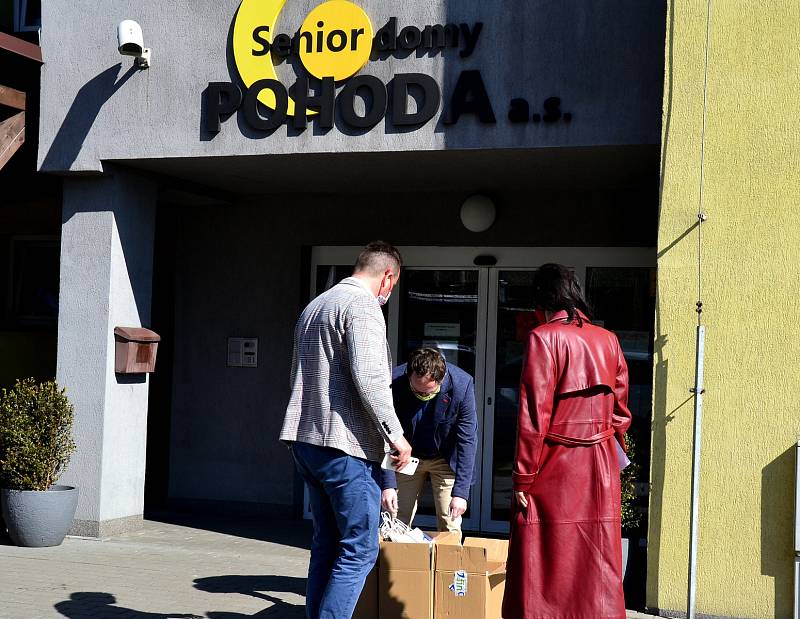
pixel 98 604
pixel 668 97
pixel 657 454
pixel 658 445
pixel 259 587
pixel 661 418
pixel 81 116
pixel 777 533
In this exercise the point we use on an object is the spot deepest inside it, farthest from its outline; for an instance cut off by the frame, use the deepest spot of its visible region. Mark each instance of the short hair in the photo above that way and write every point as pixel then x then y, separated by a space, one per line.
pixel 556 288
pixel 377 257
pixel 427 362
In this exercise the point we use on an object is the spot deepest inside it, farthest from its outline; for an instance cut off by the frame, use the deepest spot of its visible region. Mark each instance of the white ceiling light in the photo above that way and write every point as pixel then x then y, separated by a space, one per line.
pixel 478 213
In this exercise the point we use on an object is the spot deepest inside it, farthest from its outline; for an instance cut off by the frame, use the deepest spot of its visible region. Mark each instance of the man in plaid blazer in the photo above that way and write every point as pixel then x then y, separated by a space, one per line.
pixel 338 422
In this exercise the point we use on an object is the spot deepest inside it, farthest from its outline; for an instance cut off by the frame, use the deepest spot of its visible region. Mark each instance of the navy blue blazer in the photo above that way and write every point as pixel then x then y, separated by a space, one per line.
pixel 455 420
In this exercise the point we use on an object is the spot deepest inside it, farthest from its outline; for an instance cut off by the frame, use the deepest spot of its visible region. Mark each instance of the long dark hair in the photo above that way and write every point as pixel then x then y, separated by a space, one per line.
pixel 555 288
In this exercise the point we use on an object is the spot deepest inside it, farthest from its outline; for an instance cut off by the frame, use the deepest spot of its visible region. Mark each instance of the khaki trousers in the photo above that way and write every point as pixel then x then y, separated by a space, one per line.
pixel 409 488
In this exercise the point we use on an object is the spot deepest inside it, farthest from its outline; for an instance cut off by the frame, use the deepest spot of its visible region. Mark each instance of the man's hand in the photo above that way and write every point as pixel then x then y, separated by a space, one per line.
pixel 457 507
pixel 403 453
pixel 522 499
pixel 389 500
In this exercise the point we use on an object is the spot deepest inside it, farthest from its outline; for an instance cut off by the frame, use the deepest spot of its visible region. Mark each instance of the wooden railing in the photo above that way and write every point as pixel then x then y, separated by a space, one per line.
pixel 12 129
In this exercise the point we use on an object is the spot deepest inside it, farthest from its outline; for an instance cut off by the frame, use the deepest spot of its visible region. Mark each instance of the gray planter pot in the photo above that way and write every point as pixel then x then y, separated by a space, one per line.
pixel 37 519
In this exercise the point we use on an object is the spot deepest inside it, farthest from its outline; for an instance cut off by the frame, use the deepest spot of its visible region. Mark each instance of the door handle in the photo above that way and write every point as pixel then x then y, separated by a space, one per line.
pixel 489 401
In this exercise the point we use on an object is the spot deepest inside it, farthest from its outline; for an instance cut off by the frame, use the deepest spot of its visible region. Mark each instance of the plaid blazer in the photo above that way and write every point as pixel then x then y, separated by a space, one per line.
pixel 341 375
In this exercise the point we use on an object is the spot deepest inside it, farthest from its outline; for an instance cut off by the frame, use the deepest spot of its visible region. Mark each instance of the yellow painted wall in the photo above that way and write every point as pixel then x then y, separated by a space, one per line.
pixel 751 291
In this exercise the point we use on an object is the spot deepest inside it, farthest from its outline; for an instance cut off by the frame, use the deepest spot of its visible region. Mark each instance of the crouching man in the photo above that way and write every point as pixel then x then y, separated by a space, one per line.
pixel 435 403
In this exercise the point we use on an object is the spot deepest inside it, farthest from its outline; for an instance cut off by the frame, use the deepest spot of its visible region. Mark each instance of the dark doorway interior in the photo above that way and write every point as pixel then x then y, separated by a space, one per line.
pixel 156 491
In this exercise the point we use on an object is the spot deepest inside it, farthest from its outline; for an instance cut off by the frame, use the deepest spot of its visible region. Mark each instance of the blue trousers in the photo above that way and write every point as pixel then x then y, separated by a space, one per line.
pixel 345 499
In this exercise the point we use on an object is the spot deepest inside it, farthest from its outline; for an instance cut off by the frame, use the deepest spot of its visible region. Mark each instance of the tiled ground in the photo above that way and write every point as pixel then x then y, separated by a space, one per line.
pixel 215 569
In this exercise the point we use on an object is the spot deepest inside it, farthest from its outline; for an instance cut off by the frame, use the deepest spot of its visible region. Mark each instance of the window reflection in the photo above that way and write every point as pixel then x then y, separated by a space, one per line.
pixel 439 309
pixel 514 322
pixel 623 300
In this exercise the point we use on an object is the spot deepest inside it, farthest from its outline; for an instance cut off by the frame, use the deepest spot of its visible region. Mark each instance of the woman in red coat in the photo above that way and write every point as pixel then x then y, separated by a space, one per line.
pixel 565 553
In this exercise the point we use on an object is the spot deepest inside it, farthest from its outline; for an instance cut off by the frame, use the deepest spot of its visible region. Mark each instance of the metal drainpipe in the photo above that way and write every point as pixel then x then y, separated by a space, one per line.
pixel 698 425
pixel 700 352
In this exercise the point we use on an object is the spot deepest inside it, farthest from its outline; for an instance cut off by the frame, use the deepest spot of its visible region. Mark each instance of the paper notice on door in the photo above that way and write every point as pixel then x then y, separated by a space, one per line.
pixel 442 329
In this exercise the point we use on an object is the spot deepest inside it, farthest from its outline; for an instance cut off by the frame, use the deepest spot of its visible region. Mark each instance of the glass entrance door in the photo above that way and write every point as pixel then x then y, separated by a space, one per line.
pixel 445 308
pixel 479 318
pixel 510 319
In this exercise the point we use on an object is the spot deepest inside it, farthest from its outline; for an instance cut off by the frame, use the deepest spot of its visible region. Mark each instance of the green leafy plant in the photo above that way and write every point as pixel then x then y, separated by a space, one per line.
pixel 630 515
pixel 35 434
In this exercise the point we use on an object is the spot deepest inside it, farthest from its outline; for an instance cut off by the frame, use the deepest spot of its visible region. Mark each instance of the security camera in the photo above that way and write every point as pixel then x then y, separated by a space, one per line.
pixel 131 43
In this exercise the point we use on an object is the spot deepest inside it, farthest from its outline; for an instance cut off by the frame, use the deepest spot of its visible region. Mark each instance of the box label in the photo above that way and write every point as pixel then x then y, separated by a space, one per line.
pixel 459 586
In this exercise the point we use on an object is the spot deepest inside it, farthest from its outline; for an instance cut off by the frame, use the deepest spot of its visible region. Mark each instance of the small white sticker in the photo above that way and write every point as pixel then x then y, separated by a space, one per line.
pixel 459 586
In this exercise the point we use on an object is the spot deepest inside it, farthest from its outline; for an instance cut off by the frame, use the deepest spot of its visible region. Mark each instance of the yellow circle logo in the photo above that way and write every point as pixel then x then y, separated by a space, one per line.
pixel 335 40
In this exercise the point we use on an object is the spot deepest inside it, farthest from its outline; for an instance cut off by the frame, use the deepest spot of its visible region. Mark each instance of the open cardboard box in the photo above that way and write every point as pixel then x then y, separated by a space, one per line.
pixel 401 585
pixel 469 580
pixel 405 577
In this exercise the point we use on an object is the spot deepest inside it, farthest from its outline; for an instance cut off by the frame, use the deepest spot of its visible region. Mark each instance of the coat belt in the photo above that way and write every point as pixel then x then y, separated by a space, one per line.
pixel 571 441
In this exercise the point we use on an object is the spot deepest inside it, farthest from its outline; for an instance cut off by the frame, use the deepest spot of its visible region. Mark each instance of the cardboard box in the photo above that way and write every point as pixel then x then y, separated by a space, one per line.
pixel 469 580
pixel 405 577
pixel 367 606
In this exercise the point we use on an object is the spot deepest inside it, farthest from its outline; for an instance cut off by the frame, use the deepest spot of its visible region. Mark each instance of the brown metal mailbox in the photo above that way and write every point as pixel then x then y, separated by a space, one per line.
pixel 135 350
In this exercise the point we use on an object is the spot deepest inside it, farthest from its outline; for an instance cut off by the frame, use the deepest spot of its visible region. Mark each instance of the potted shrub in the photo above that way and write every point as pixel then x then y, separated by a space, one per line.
pixel 35 446
pixel 630 515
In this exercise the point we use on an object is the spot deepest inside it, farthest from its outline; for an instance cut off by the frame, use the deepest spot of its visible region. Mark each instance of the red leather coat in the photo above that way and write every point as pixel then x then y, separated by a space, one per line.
pixel 565 553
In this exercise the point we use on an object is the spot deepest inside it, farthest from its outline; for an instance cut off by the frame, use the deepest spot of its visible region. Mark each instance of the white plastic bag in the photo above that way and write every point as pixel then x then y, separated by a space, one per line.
pixel 395 530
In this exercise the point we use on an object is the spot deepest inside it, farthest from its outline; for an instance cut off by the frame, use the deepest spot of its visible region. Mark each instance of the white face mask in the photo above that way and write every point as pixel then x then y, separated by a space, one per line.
pixel 384 299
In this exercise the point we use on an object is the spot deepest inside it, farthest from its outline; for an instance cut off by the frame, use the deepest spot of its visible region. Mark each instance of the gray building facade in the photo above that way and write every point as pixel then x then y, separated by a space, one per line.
pixel 552 110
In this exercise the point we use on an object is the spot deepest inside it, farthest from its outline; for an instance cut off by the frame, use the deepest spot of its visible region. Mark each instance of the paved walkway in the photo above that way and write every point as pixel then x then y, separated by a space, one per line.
pixel 214 569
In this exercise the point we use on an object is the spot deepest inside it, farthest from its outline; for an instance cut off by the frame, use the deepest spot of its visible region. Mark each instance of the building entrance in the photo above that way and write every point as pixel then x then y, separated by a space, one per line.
pixel 474 305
